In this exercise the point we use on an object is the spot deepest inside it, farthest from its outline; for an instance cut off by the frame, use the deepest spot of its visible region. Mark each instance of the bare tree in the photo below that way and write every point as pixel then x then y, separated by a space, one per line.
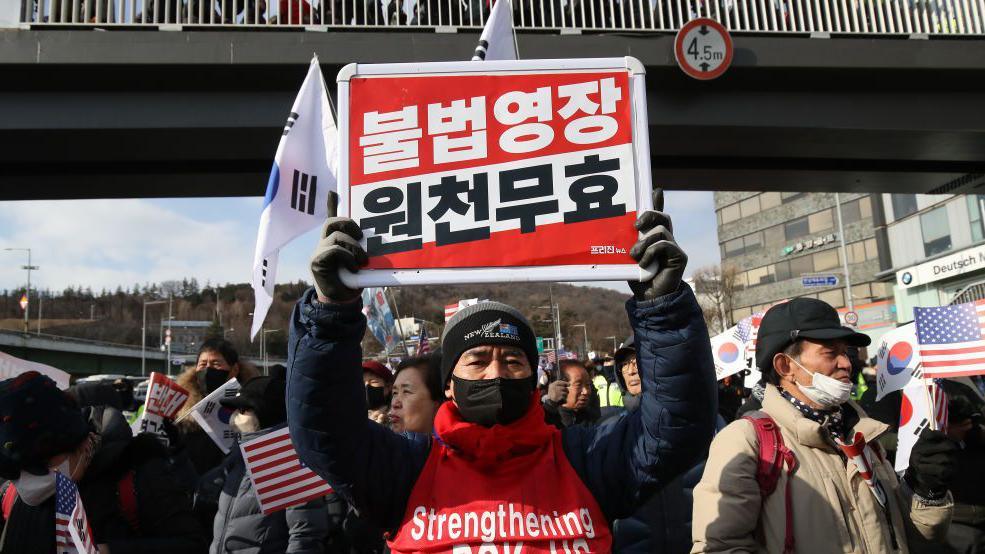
pixel 715 288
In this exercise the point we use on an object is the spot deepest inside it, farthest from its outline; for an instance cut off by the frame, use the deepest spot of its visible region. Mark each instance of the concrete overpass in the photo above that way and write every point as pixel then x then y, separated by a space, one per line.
pixel 81 357
pixel 135 111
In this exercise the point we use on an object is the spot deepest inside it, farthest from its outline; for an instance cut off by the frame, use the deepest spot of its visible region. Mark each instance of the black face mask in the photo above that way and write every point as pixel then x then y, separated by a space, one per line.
pixel 211 379
pixel 375 397
pixel 491 401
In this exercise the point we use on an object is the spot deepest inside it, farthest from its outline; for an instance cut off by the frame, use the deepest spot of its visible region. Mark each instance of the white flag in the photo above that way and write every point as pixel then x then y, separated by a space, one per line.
pixel 297 193
pixel 12 367
pixel 214 418
pixel 497 41
pixel 897 360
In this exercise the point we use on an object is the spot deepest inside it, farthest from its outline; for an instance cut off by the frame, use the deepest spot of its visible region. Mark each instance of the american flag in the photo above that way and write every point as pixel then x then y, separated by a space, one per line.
pixel 552 357
pixel 279 477
pixel 950 339
pixel 747 330
pixel 424 347
pixel 72 531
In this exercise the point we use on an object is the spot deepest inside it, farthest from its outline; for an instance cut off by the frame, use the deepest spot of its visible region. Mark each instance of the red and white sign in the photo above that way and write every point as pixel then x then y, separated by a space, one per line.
pixel 164 399
pixel 463 172
pixel 279 478
pixel 703 49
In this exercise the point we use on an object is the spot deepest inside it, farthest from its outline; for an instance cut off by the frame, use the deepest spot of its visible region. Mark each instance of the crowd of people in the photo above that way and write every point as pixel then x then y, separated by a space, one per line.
pixel 482 446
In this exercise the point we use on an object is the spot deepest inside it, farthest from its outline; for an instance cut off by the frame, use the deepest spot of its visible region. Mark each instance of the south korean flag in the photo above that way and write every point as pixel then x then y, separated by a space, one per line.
pixel 304 172
pixel 498 41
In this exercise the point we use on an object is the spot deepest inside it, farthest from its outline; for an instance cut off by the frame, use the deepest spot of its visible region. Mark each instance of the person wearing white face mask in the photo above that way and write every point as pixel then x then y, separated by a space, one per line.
pixel 821 498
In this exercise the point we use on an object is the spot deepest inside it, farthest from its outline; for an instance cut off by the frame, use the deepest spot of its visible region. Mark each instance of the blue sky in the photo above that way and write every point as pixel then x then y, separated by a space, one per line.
pixel 105 243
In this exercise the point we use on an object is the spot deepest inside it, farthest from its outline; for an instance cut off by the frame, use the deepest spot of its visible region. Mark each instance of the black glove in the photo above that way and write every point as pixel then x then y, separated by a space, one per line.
pixel 657 245
pixel 338 248
pixel 932 462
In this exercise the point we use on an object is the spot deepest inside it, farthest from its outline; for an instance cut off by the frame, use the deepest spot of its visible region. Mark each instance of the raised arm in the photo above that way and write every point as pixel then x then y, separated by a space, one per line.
pixel 625 462
pixel 372 467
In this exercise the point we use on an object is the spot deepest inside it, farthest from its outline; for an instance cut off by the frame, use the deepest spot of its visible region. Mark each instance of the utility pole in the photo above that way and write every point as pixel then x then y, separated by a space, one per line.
pixel 27 292
pixel 844 257
pixel 40 301
pixel 584 328
pixel 143 338
pixel 170 304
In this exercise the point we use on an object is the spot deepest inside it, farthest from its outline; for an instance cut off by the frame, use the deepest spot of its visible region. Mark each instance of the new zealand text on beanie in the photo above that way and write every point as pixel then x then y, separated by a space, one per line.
pixel 485 323
pixel 37 421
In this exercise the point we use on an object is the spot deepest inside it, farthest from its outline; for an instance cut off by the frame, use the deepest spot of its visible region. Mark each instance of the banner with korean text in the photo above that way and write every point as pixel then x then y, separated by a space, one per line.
pixel 510 170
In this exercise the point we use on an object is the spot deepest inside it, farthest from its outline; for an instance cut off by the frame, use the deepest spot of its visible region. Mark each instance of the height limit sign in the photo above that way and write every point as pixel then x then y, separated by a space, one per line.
pixel 703 49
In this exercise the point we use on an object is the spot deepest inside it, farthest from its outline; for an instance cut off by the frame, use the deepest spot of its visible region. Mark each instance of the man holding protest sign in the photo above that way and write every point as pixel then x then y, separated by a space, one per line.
pixel 494 474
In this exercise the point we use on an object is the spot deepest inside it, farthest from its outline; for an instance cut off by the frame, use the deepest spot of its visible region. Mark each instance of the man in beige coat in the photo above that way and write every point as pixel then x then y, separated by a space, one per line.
pixel 801 351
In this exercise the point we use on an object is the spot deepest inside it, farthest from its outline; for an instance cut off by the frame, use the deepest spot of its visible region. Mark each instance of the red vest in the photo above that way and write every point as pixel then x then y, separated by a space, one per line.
pixel 503 489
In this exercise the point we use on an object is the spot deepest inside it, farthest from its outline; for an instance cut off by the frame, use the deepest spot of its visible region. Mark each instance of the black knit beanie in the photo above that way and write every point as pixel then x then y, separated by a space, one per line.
pixel 485 323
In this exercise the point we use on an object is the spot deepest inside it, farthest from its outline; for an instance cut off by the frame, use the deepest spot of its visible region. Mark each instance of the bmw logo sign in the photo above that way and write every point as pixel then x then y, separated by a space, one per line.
pixel 906 278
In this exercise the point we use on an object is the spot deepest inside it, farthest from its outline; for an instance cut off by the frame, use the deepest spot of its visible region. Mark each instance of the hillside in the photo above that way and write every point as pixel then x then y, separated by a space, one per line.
pixel 115 316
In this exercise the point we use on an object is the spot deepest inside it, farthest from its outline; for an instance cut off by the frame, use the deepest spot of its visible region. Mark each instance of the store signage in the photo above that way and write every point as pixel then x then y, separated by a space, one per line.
pixel 959 263
pixel 810 243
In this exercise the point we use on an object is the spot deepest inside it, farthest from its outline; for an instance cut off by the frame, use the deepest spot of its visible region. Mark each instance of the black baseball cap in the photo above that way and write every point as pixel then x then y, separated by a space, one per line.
pixel 800 318
pixel 265 396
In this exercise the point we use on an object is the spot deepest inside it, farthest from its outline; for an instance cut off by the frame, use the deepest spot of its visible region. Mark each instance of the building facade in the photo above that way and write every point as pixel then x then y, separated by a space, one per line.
pixel 784 245
pixel 937 244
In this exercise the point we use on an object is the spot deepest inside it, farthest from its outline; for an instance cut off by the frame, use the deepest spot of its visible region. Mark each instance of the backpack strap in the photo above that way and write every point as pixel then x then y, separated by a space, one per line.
pixel 128 500
pixel 773 455
pixel 9 498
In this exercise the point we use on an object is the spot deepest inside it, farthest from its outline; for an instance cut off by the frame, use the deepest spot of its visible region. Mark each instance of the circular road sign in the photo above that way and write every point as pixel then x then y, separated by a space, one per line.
pixel 851 318
pixel 703 49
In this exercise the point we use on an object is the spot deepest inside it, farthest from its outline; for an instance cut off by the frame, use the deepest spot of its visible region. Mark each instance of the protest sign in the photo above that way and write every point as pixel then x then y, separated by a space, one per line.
pixel 380 319
pixel 897 360
pixel 527 170
pixel 11 367
pixel 164 399
pixel 214 418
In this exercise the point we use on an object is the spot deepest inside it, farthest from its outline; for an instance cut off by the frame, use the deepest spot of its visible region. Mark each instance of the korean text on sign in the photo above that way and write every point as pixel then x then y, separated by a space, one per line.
pixel 493 170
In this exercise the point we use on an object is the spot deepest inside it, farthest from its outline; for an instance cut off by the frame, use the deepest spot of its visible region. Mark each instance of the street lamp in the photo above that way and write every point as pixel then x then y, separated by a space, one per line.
pixel 584 328
pixel 143 337
pixel 27 292
pixel 263 346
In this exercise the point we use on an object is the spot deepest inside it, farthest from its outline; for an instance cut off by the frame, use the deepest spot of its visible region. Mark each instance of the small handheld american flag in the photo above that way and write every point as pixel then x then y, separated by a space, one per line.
pixel 950 339
pixel 72 532
pixel 424 347
pixel 279 478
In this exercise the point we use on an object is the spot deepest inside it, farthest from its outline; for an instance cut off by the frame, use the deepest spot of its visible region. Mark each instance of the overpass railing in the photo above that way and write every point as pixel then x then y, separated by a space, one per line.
pixel 850 17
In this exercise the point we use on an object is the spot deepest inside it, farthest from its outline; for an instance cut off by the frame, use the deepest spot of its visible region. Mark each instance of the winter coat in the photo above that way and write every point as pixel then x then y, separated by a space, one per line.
pixel 621 465
pixel 833 509
pixel 240 527
pixel 165 520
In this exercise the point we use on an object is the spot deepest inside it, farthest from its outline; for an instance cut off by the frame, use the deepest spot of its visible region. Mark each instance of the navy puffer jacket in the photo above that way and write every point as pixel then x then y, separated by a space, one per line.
pixel 621 464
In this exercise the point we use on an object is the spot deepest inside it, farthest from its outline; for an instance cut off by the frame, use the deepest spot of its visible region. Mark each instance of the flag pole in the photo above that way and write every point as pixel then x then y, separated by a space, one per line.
pixel 396 311
pixel 929 390
pixel 516 45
